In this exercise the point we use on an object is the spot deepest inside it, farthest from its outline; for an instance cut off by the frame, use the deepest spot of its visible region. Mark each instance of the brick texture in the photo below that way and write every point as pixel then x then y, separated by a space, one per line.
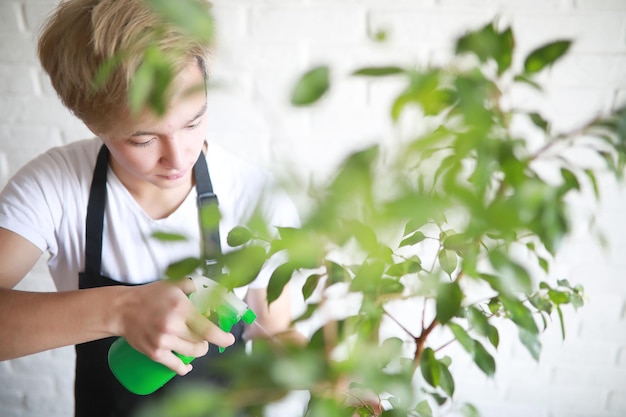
pixel 264 46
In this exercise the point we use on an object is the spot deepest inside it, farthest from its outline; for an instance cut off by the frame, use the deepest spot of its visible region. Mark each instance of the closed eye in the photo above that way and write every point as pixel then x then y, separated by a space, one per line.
pixel 141 144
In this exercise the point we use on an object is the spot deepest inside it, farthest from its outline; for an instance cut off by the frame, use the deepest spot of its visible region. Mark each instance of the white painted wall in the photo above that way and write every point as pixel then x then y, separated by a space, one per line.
pixel 265 44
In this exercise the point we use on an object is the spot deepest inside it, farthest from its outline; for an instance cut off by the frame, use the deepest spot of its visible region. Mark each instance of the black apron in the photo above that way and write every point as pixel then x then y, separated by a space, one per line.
pixel 97 392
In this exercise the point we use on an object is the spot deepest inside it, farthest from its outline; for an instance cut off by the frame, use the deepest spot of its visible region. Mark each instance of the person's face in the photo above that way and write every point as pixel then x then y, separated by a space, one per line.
pixel 161 151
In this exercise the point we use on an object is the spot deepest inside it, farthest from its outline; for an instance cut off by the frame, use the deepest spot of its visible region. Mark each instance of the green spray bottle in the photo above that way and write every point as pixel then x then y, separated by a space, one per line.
pixel 140 374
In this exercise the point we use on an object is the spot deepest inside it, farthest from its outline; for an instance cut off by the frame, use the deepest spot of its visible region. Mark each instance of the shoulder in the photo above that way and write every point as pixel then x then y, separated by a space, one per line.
pixel 73 160
pixel 245 187
pixel 234 176
pixel 226 166
pixel 48 192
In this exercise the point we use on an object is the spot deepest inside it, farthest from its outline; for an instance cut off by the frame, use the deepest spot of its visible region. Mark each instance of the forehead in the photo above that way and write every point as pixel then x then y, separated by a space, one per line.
pixel 186 101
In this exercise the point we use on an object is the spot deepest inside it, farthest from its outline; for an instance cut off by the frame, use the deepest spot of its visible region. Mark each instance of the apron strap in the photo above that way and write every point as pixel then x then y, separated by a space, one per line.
pixel 94 223
pixel 208 213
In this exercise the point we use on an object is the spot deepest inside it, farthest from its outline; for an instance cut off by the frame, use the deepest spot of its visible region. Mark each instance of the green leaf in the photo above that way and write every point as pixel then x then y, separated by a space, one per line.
pixel 520 314
pixel 141 85
pixel 461 335
pixel 182 268
pixel 457 242
pixel 337 273
pixel 409 266
pixel 389 286
pixel 379 36
pixel 545 56
pixel 423 409
pixel 105 70
pixel 311 86
pixel 310 310
pixel 242 266
pixel 487 44
pixel 577 300
pixel 378 71
pixel 468 410
pixel 479 322
pixel 513 276
pixel 493 336
pixel 594 183
pixel 439 399
pixel 570 181
pixel 280 277
pixel 541 303
pixel 410 227
pixel 413 239
pixel 363 234
pixel 483 359
pixel 561 322
pixel 563 283
pixel 424 91
pixel 190 16
pixel 494 306
pixel 539 121
pixel 429 367
pixel 448 260
pixel 368 277
pixel 238 236
pixel 531 342
pixel 169 237
pixel 525 80
pixel 304 248
pixel 310 285
pixel 543 263
pixel 449 297
pixel 446 381
pixel 210 216
pixel 558 297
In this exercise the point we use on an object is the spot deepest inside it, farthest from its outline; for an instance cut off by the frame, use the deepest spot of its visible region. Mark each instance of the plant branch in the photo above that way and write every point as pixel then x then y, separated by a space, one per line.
pixel 421 341
pixel 398 323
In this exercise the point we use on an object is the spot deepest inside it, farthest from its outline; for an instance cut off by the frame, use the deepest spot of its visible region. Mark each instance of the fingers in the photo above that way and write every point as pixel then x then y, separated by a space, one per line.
pixel 169 359
pixel 166 356
pixel 186 285
pixel 186 348
pixel 205 329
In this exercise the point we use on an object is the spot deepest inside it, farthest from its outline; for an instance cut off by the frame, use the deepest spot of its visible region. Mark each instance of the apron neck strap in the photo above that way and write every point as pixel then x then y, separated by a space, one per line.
pixel 208 213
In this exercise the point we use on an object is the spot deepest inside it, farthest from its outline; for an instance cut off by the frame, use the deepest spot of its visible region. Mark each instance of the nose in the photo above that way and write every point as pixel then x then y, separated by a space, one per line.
pixel 172 155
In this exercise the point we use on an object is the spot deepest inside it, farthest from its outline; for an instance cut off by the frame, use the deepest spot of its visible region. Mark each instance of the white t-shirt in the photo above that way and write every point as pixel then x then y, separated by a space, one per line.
pixel 46 203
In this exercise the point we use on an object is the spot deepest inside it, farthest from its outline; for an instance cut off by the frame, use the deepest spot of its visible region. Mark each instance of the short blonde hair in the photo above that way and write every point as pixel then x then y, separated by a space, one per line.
pixel 81 35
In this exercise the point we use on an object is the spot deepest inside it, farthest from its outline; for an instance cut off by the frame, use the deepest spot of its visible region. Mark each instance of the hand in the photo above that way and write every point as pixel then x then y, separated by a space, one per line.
pixel 158 319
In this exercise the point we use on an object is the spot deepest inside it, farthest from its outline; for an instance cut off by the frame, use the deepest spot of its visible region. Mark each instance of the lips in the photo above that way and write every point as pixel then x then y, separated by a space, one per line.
pixel 176 176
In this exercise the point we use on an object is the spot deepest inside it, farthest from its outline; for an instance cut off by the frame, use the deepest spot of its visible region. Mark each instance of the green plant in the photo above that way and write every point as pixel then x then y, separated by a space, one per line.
pixel 461 222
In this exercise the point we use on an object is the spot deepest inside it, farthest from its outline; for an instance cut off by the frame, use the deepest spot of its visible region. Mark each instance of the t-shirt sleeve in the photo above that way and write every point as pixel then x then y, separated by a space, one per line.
pixel 30 204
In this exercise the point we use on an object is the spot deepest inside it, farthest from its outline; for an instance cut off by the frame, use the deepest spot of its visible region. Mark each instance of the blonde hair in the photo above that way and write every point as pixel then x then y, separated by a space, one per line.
pixel 82 35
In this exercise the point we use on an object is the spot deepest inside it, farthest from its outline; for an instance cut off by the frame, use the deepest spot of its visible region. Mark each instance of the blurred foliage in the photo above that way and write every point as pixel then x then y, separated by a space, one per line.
pixel 458 225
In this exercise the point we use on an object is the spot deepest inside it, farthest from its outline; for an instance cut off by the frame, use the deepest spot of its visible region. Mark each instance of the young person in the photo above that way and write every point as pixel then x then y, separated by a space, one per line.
pixel 93 206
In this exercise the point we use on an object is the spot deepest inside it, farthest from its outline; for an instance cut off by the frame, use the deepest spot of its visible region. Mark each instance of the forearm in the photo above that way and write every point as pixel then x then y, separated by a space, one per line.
pixel 34 322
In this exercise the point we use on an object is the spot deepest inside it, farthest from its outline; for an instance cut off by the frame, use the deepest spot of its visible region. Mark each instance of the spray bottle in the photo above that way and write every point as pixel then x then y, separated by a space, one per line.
pixel 140 374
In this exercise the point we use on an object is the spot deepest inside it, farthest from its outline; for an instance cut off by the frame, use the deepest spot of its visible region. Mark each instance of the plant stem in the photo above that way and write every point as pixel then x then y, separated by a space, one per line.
pixel 398 323
pixel 421 341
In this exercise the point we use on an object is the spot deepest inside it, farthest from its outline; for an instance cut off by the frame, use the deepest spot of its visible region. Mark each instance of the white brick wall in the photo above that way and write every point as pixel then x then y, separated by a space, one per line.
pixel 264 46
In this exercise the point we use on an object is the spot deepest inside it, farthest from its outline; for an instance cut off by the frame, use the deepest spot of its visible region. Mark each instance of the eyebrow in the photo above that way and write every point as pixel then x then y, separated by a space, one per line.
pixel 196 116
